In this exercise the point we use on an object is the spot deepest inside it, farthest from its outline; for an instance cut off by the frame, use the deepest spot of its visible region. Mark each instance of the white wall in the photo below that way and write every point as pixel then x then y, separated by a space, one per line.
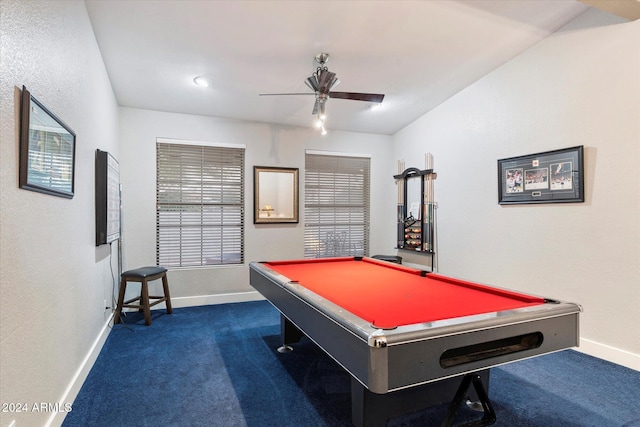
pixel 580 86
pixel 54 280
pixel 266 145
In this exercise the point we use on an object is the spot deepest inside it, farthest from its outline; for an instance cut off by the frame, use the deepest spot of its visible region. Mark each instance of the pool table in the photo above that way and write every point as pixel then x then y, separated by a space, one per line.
pixel 408 337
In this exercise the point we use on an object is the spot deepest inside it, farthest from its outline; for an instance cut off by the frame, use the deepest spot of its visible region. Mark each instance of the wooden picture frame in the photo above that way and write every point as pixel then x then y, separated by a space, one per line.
pixel 275 195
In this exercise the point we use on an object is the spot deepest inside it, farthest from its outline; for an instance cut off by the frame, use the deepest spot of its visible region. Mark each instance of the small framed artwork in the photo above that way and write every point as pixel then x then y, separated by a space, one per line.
pixel 550 177
pixel 47 150
pixel 275 192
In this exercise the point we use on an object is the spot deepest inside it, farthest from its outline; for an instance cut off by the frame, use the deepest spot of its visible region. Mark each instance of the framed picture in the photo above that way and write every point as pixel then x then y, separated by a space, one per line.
pixel 550 177
pixel 275 192
pixel 47 150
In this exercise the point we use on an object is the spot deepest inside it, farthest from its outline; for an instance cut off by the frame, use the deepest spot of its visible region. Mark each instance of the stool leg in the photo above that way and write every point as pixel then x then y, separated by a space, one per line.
pixel 165 286
pixel 123 287
pixel 144 302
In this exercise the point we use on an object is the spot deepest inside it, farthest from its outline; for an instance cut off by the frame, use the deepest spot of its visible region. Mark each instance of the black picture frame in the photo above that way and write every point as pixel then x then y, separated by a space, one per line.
pixel 549 177
pixel 47 150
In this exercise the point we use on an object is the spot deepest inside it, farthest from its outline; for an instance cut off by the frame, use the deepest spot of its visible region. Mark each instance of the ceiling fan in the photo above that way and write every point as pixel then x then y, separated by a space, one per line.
pixel 321 82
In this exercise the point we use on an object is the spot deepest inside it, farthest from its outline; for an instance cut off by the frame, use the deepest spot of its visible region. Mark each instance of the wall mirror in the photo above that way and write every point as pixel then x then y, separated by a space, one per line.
pixel 414 198
pixel 275 195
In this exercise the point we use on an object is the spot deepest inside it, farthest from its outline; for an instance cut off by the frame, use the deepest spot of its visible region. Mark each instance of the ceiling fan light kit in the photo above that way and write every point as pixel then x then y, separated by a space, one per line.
pixel 321 82
pixel 202 81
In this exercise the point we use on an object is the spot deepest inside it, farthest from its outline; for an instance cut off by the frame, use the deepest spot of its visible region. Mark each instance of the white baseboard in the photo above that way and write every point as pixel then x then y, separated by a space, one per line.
pixel 178 302
pixel 199 300
pixel 611 354
pixel 74 386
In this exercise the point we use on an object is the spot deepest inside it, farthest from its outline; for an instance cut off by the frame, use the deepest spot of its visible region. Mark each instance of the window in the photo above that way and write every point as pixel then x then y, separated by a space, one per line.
pixel 199 204
pixel 336 205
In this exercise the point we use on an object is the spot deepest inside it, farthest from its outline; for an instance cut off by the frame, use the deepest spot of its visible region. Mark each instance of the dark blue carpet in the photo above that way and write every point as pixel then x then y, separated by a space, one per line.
pixel 217 366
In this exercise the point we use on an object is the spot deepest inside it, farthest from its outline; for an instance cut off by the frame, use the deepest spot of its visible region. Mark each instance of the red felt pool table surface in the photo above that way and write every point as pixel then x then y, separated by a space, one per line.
pixel 389 295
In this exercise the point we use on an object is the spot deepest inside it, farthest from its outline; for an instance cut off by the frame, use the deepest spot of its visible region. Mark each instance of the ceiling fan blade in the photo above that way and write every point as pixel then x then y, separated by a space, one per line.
pixel 369 97
pixel 326 80
pixel 312 82
pixel 334 83
pixel 277 94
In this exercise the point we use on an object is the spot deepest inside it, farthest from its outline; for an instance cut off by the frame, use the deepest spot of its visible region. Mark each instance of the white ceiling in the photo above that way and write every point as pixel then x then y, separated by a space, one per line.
pixel 418 53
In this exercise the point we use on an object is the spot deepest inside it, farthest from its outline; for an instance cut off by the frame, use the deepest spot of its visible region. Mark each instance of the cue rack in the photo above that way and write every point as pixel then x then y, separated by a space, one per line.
pixel 416 213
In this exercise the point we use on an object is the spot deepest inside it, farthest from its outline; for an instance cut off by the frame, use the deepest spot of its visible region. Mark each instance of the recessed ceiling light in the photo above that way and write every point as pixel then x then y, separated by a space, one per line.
pixel 202 81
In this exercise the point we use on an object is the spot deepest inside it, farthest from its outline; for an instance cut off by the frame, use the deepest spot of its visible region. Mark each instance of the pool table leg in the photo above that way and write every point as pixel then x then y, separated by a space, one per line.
pixel 370 409
pixel 289 333
pixel 489 414
pixel 366 407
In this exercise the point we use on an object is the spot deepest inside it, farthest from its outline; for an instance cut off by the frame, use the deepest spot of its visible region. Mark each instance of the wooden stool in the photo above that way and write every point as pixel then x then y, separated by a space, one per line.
pixel 143 275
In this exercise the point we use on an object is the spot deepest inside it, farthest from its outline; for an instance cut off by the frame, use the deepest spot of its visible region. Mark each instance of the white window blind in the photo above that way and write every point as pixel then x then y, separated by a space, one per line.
pixel 336 206
pixel 199 205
